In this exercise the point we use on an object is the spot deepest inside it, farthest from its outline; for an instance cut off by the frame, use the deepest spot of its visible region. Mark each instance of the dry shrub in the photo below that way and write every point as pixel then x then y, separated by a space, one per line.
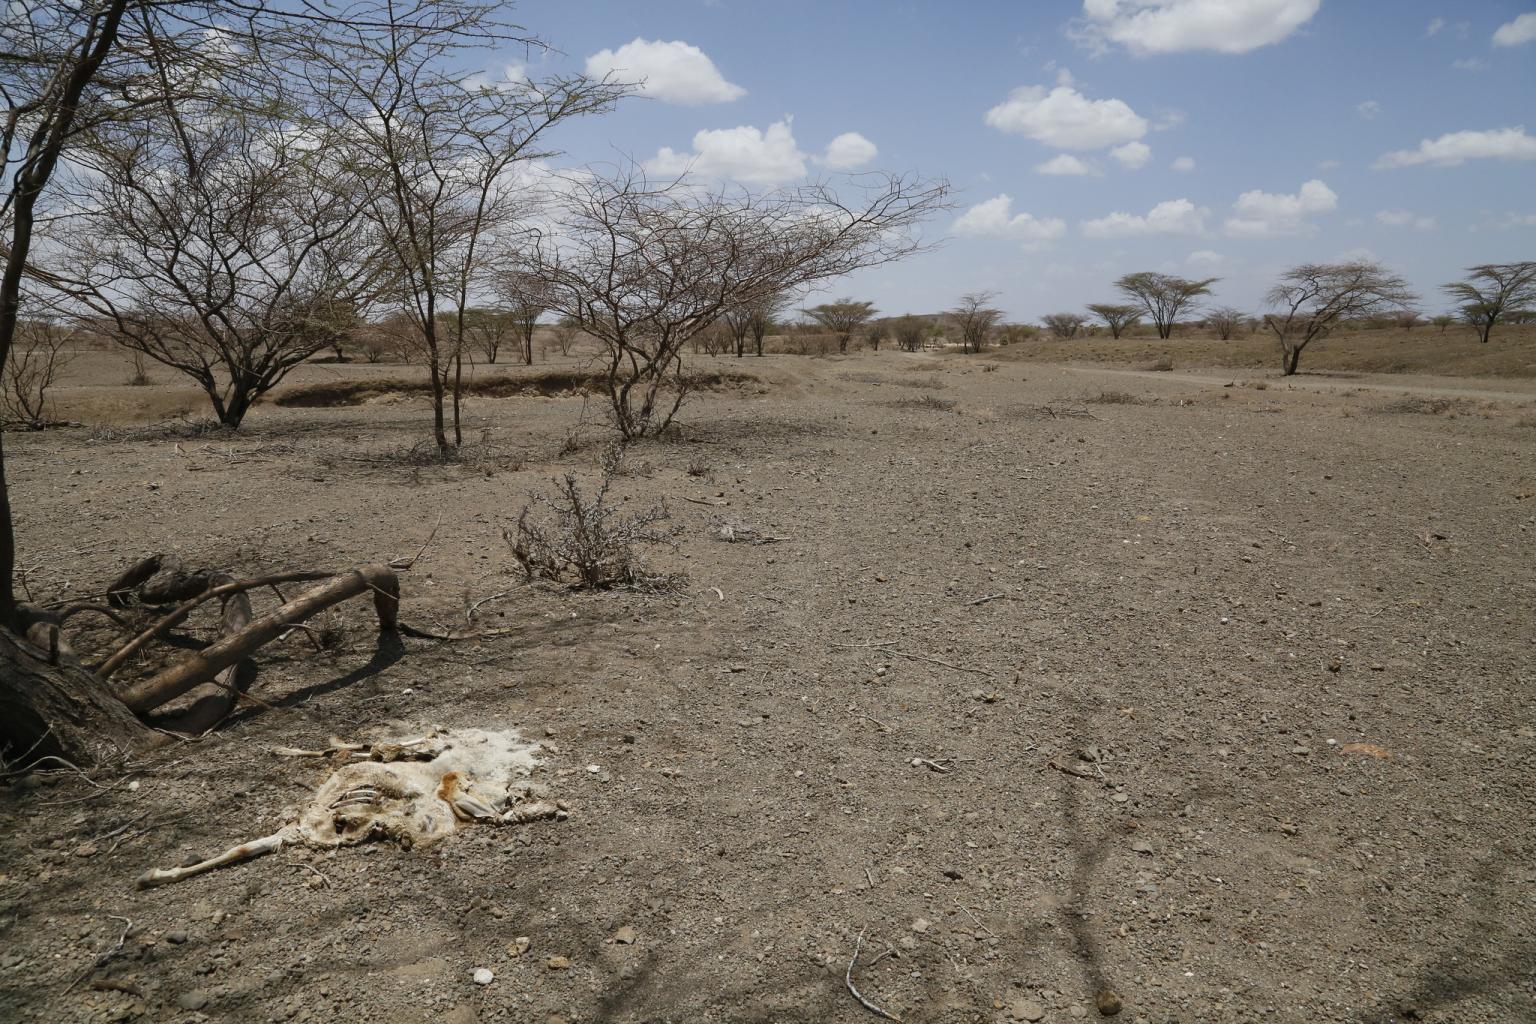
pixel 1416 406
pixel 1160 365
pixel 1118 398
pixel 35 362
pixel 587 543
pixel 932 402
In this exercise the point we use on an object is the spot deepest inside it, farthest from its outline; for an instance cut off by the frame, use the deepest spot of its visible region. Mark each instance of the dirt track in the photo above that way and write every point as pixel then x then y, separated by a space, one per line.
pixel 1136 620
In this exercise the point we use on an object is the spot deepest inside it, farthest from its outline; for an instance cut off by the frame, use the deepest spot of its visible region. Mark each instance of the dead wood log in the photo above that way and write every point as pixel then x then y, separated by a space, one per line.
pixel 173 583
pixel 58 709
pixel 135 574
pixel 176 615
pixel 205 664
pixel 211 708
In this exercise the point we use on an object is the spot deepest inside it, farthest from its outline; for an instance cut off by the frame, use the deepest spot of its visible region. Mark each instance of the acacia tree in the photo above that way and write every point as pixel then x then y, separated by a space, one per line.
pixel 646 267
pixel 1494 292
pixel 1226 321
pixel 489 329
pixel 975 318
pixel 910 332
pixel 444 150
pixel 223 240
pixel 37 359
pixel 527 299
pixel 842 318
pixel 1118 318
pixel 1163 296
pixel 1314 298
pixel 1063 325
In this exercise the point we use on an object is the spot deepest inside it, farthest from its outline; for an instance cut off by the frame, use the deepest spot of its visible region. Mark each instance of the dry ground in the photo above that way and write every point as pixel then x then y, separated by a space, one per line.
pixel 1191 596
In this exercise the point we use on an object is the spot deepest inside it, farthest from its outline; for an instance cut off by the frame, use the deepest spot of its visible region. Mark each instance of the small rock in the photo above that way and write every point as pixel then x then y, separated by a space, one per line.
pixel 1142 846
pixel 483 976
pixel 518 946
pixel 193 1000
pixel 625 936
pixel 1120 798
pixel 1026 1009
pixel 594 768
pixel 921 925
pixel 86 850
pixel 1077 1011
pixel 558 963
pixel 176 936
pixel 1108 1002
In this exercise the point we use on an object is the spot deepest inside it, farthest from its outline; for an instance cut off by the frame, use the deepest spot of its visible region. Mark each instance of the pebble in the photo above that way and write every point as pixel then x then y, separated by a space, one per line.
pixel 1108 1002
pixel 176 936
pixel 518 946
pixel 558 963
pixel 921 925
pixel 1077 1011
pixel 1026 1009
pixel 1141 846
pixel 193 1000
pixel 625 936
pixel 483 976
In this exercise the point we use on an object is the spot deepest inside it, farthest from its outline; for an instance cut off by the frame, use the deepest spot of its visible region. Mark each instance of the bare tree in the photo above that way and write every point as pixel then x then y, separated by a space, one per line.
pixel 527 299
pixel 489 329
pixel 975 318
pixel 222 240
pixel 1163 296
pixel 842 319
pixel 444 149
pixel 877 332
pixel 1063 325
pixel 39 356
pixel 761 315
pixel 1494 292
pixel 564 333
pixel 644 267
pixel 1226 321
pixel 1117 318
pixel 910 332
pixel 1314 298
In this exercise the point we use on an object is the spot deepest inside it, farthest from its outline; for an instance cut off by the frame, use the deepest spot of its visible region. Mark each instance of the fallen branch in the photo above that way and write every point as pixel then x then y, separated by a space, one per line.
pixel 936 661
pixel 207 663
pixel 984 600
pixel 103 959
pixel 706 501
pixel 848 980
pixel 1070 771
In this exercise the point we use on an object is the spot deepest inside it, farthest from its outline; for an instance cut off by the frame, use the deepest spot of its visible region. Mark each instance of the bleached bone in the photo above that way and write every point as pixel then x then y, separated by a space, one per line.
pixel 472 776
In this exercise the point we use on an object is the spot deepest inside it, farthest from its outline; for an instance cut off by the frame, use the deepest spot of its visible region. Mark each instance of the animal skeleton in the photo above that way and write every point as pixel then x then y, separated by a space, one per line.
pixel 409 791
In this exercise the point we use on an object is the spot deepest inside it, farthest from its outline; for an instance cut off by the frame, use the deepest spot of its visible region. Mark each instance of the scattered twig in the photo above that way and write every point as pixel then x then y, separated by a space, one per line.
pixel 469 616
pixel 316 872
pixel 1070 771
pixel 848 980
pixel 103 958
pixel 718 593
pixel 877 721
pixel 706 501
pixel 407 563
pixel 874 643
pixel 933 766
pixel 936 661
pixel 974 920
pixel 984 600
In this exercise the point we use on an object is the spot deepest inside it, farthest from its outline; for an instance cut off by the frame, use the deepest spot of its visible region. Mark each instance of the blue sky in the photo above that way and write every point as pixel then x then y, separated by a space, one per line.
pixel 1310 129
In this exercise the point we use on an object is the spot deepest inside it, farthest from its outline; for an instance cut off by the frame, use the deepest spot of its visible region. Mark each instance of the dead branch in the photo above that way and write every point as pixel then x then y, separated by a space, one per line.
pixel 229 685
pixel 848 980
pixel 103 959
pixel 122 654
pixel 205 664
pixel 936 661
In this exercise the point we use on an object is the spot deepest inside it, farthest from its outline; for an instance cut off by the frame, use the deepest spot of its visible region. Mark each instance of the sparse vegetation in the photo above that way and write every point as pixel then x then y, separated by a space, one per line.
pixel 37 359
pixel 1495 292
pixel 842 319
pixel 1063 325
pixel 1163 296
pixel 1314 298
pixel 975 317
pixel 1116 317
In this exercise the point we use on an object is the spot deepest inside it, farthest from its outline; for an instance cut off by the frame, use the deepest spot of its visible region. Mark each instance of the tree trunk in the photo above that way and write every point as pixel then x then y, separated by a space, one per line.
pixel 61 710
pixel 1290 360
pixel 1487 330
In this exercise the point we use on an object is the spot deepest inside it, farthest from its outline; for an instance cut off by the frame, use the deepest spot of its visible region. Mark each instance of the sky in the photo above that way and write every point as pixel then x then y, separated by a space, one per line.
pixel 1206 138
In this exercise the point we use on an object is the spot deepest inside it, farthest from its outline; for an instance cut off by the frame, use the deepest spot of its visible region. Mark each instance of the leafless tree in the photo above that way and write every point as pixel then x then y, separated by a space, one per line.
pixel 1163 296
pixel 1494 292
pixel 564 335
pixel 445 150
pixel 487 330
pixel 975 317
pixel 910 332
pixel 1063 325
pixel 760 316
pixel 1117 318
pixel 39 356
pixel 526 297
pixel 222 240
pixel 842 319
pixel 644 267
pixel 1314 298
pixel 1226 321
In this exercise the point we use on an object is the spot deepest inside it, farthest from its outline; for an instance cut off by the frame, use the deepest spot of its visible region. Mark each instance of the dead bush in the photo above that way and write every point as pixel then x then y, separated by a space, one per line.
pixel 588 543
pixel 1160 365
pixel 37 359
pixel 1118 398
pixel 1415 406
pixel 932 402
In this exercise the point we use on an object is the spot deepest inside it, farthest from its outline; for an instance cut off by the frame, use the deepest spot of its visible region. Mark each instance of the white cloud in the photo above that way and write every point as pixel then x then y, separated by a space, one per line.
pixel 1435 25
pixel 673 72
pixel 1518 32
pixel 1455 148
pixel 1368 109
pixel 1172 26
pixel 848 152
pixel 1183 163
pixel 742 154
pixel 1170 217
pixel 1133 155
pixel 1205 258
pixel 1470 64
pixel 1404 219
pixel 1066 119
pixel 1065 164
pixel 1507 221
pixel 995 218
pixel 1259 214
